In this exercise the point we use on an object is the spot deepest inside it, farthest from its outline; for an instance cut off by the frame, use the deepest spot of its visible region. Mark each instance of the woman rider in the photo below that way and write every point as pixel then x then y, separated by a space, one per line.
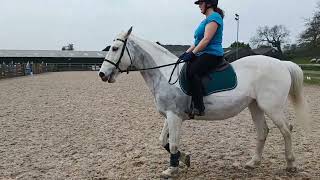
pixel 206 52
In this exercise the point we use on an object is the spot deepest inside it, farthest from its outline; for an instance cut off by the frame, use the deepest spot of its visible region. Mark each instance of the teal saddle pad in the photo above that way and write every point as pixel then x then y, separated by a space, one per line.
pixel 214 82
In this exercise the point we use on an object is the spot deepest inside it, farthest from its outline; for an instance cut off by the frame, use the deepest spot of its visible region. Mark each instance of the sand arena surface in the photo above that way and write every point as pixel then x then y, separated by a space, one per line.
pixel 71 125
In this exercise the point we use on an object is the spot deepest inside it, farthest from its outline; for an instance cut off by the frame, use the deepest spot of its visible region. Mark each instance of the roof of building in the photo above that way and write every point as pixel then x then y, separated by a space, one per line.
pixel 52 54
pixel 230 51
pixel 175 49
pixel 264 50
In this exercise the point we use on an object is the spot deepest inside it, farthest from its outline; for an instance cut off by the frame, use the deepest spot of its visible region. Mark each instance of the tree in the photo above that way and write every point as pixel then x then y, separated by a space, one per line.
pixel 274 36
pixel 240 45
pixel 311 36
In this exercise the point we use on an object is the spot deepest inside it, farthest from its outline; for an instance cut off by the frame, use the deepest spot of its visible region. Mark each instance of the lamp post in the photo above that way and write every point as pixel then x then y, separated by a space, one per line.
pixel 237 18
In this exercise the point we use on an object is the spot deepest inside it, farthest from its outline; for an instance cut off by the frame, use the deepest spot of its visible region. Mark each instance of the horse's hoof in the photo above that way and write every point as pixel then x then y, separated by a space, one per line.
pixel 290 127
pixel 185 158
pixel 292 169
pixel 170 172
pixel 249 167
pixel 252 164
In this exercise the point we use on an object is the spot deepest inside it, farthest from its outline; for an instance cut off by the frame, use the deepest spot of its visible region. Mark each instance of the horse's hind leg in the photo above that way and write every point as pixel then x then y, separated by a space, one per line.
pixel 279 120
pixel 262 133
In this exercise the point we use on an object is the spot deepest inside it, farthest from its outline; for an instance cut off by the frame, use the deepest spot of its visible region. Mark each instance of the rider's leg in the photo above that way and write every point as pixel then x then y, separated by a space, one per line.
pixel 197 94
pixel 200 67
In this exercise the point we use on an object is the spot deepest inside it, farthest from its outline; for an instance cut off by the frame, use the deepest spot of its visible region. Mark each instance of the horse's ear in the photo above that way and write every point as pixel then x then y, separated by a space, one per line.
pixel 129 32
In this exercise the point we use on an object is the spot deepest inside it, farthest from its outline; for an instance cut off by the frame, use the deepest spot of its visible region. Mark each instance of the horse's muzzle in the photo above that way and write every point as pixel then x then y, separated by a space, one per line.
pixel 109 78
pixel 103 76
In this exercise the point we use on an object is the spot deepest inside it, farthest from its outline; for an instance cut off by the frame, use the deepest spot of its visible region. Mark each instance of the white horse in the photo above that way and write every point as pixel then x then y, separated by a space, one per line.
pixel 264 84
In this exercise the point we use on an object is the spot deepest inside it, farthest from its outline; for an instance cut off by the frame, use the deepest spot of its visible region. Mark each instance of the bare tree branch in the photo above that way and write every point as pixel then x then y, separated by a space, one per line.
pixel 274 36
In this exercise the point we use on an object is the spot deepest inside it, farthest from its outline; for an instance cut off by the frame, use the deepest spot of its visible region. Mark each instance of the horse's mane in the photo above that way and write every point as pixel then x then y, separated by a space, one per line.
pixel 155 45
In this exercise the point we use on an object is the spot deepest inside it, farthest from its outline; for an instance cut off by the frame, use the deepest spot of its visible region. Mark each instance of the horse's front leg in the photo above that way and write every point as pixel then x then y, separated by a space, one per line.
pixel 164 136
pixel 174 123
pixel 164 140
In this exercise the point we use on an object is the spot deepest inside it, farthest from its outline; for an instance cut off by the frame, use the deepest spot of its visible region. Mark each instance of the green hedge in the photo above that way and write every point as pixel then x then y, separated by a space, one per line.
pixel 304 52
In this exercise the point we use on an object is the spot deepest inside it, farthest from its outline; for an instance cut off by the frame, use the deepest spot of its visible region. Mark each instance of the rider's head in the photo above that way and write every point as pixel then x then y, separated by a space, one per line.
pixel 209 4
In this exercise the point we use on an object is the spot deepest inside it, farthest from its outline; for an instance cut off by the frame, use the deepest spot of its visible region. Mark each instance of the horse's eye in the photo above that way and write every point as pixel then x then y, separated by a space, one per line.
pixel 115 48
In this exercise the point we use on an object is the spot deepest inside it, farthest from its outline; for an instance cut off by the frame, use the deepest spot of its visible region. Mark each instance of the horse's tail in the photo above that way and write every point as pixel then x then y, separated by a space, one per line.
pixel 296 94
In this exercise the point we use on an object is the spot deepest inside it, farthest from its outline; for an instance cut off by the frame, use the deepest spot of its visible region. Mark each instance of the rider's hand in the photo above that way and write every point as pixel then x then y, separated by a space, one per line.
pixel 189 56
pixel 182 55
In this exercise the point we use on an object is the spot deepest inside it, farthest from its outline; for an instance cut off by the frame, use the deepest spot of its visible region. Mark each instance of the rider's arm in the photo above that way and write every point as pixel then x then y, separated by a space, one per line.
pixel 210 30
pixel 191 48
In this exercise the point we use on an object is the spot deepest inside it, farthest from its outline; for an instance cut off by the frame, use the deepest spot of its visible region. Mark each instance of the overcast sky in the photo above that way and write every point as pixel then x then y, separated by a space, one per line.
pixel 92 24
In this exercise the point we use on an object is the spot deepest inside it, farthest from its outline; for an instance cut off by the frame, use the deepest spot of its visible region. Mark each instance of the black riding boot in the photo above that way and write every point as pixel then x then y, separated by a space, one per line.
pixel 197 95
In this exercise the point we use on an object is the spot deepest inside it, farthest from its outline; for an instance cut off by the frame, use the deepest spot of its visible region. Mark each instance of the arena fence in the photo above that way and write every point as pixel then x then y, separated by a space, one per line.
pixel 23 69
pixel 311 71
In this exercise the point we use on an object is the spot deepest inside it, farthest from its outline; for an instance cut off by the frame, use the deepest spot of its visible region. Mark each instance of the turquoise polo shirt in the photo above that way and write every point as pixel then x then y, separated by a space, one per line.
pixel 215 45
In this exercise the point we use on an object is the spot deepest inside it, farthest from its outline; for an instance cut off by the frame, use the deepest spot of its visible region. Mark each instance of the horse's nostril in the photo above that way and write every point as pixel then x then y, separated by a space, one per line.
pixel 101 74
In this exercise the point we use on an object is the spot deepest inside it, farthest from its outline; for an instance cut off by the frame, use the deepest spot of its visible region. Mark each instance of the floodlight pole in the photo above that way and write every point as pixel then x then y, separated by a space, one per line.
pixel 237 18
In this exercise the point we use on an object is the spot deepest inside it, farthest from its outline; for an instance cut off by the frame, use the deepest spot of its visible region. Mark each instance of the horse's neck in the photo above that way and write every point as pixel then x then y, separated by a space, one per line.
pixel 149 55
pixel 155 54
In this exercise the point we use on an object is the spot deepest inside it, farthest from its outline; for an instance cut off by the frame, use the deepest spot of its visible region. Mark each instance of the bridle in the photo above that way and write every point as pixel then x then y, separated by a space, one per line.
pixel 125 48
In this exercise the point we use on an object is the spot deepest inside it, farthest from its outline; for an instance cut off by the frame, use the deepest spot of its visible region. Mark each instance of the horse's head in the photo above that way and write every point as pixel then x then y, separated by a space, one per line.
pixel 117 59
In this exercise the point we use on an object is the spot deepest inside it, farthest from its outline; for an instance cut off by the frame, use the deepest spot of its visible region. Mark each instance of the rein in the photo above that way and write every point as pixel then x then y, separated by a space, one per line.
pixel 179 61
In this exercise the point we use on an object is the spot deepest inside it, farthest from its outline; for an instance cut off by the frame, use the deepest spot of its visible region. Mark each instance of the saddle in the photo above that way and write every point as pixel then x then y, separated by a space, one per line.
pixel 222 78
pixel 222 66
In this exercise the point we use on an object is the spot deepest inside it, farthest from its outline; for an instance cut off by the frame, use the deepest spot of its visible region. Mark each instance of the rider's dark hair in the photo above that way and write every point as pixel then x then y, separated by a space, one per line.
pixel 218 10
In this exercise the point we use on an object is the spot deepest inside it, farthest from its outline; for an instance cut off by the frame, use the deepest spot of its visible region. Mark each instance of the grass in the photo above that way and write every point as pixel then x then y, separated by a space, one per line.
pixel 312 81
pixel 314 77
pixel 302 60
pixel 309 71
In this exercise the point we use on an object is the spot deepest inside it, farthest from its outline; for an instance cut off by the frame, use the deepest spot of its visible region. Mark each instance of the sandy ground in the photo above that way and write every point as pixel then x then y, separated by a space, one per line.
pixel 71 125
